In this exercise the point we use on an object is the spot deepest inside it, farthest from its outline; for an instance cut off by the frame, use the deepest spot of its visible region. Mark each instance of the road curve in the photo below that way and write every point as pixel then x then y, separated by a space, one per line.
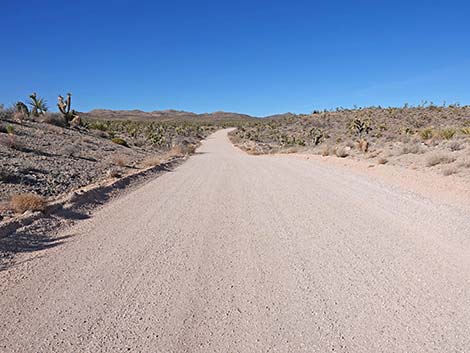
pixel 238 253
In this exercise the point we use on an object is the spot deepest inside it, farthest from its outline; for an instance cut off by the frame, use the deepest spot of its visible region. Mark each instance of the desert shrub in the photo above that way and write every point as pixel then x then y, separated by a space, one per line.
pixel 447 133
pixel 21 203
pixel 4 175
pixel 3 129
pixel 410 148
pixel 182 149
pixel 119 141
pixel 439 158
pixel 152 161
pixel 6 114
pixel 99 133
pixel 139 142
pixel 54 119
pixel 409 131
pixel 291 149
pixel 426 134
pixel 10 130
pixel 10 141
pixel 98 125
pixel 465 130
pixel 114 173
pixel 455 146
pixel 121 161
pixel 19 116
pixel 341 152
pixel 363 145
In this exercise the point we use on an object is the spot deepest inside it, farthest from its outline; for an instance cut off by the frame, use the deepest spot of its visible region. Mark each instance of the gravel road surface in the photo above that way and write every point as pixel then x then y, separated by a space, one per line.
pixel 238 253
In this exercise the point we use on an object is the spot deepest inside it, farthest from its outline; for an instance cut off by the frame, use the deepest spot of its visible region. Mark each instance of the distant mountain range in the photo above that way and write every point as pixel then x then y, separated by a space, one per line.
pixel 168 115
pixel 163 115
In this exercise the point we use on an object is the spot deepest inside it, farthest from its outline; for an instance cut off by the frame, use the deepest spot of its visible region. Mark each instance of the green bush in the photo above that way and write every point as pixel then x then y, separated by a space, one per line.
pixel 120 141
pixel 98 125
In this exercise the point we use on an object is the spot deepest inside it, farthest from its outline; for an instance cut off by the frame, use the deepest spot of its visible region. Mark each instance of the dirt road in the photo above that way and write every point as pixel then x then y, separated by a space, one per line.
pixel 238 253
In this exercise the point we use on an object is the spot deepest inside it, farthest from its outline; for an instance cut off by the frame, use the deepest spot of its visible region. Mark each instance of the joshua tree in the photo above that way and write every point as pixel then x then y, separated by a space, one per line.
pixel 20 111
pixel 21 108
pixel 64 107
pixel 360 127
pixel 38 105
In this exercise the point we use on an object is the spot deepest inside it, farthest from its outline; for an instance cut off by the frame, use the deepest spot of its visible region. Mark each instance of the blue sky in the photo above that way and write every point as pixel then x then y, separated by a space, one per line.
pixel 255 57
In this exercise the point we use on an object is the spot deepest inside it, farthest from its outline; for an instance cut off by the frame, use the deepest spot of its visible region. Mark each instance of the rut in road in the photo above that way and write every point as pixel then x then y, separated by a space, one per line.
pixel 238 253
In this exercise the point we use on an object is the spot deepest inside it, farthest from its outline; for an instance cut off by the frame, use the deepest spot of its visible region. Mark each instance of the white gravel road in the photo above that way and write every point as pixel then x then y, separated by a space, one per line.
pixel 238 253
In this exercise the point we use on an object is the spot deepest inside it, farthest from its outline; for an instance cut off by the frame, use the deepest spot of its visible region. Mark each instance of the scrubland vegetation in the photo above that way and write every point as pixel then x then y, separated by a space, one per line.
pixel 426 137
pixel 44 154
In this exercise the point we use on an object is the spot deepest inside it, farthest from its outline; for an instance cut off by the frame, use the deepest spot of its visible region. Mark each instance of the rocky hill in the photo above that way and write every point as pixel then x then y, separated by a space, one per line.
pixel 164 115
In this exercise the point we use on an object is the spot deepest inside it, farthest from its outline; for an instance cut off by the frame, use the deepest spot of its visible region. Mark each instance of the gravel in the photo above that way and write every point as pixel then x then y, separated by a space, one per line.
pixel 240 253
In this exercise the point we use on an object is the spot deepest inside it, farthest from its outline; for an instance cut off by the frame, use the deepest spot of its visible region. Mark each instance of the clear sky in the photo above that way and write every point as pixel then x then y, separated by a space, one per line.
pixel 255 57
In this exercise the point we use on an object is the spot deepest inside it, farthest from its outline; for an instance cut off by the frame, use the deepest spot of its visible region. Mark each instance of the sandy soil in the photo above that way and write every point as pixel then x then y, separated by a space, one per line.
pixel 452 190
pixel 239 253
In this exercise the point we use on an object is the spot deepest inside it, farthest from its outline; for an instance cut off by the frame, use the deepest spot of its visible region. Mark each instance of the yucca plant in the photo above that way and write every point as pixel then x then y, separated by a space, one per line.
pixel 448 133
pixel 38 105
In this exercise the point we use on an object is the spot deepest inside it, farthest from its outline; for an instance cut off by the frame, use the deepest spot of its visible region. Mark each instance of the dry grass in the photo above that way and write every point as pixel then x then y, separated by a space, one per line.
pixel 121 161
pixel 439 158
pixel 326 151
pixel 21 203
pixel 341 152
pixel 176 151
pixel 182 150
pixel 152 161
pixel 363 146
pixel 410 148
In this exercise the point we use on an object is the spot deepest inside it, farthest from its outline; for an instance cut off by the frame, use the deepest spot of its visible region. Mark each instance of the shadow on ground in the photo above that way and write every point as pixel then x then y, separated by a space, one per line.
pixel 34 237
pixel 19 242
